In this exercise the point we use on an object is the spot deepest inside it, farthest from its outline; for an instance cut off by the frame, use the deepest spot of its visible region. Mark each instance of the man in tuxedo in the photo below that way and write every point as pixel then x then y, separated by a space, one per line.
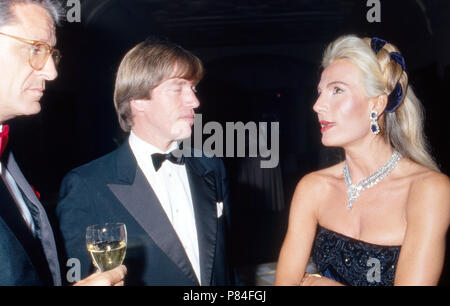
pixel 28 254
pixel 175 207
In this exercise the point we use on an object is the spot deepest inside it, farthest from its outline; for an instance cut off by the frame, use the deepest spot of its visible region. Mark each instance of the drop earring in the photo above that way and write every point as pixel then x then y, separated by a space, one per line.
pixel 374 127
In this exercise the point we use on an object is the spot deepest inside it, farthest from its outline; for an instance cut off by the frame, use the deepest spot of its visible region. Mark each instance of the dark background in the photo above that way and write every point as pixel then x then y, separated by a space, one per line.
pixel 261 57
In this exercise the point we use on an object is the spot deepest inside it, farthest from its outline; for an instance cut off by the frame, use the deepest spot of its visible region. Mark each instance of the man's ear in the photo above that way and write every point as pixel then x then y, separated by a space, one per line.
pixel 138 105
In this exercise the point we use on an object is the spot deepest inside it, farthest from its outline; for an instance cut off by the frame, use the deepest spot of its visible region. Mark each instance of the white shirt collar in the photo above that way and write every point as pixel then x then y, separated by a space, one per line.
pixel 143 150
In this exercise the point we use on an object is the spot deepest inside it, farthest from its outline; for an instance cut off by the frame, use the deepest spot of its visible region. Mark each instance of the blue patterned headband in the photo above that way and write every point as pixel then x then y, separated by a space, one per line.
pixel 395 98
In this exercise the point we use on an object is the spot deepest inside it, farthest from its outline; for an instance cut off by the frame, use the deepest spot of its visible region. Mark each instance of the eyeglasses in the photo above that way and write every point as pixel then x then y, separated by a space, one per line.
pixel 39 53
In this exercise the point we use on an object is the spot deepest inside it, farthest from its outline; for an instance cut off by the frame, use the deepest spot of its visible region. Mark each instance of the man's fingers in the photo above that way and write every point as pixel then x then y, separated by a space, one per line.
pixel 113 277
pixel 117 274
pixel 92 276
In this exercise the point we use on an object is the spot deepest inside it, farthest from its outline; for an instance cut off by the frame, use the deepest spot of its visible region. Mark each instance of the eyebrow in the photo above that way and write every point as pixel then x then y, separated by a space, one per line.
pixel 179 81
pixel 337 82
pixel 334 83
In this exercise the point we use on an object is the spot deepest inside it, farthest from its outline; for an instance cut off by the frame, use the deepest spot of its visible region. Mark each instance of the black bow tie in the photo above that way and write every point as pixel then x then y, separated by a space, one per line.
pixel 159 158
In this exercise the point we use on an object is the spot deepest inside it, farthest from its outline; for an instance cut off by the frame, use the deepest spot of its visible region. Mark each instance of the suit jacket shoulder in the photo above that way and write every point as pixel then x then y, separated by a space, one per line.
pixel 108 165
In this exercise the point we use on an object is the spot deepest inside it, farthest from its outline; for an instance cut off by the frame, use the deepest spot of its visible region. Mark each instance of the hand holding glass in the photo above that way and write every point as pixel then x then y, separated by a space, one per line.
pixel 107 244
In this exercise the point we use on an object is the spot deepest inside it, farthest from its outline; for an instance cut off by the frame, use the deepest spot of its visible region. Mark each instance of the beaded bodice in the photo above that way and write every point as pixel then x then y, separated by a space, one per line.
pixel 354 262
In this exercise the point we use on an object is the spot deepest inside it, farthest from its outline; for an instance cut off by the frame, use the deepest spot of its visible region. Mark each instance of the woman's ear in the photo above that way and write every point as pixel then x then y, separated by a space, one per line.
pixel 379 103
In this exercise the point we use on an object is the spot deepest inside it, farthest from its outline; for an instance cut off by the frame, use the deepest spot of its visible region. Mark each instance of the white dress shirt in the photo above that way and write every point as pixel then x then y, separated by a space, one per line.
pixel 171 186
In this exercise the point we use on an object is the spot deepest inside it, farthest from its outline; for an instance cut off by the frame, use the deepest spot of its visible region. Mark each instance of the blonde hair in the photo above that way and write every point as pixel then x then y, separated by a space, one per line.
pixel 146 66
pixel 402 128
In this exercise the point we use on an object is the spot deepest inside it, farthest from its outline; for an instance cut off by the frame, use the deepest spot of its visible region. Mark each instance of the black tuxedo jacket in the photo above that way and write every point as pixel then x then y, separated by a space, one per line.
pixel 25 259
pixel 114 189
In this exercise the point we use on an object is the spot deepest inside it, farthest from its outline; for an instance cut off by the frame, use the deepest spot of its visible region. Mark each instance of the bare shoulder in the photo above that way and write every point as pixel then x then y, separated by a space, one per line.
pixel 319 183
pixel 429 193
pixel 317 180
pixel 429 182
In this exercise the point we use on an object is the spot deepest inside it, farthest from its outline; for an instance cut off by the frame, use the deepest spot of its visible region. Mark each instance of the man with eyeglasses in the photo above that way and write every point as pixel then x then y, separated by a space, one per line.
pixel 28 59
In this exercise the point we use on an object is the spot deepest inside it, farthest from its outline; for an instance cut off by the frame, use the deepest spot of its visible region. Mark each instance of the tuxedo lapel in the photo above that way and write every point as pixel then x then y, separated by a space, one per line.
pixel 204 198
pixel 45 231
pixel 137 196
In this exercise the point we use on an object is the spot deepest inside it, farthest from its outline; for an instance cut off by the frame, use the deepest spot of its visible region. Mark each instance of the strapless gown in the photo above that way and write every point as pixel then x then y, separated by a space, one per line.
pixel 354 262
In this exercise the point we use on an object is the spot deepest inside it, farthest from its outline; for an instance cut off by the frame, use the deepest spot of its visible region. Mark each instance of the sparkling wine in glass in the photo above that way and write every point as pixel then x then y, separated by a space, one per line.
pixel 107 245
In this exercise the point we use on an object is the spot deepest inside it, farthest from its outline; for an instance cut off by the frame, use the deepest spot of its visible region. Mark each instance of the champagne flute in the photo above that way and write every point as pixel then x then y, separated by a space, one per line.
pixel 107 244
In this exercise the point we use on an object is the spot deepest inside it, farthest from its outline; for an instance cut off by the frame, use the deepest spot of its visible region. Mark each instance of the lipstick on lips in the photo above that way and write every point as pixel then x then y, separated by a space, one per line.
pixel 326 125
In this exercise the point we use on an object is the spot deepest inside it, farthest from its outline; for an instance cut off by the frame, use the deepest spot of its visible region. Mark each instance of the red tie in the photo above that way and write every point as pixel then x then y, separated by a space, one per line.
pixel 3 138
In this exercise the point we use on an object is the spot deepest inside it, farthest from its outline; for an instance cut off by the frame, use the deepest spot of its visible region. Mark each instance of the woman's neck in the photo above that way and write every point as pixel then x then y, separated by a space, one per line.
pixel 367 157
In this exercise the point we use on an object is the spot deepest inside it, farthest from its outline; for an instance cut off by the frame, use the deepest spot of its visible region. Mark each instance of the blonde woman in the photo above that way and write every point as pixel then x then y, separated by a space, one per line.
pixel 381 216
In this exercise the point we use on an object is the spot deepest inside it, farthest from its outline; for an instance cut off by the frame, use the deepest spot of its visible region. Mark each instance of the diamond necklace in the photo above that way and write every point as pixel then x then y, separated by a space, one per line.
pixel 353 191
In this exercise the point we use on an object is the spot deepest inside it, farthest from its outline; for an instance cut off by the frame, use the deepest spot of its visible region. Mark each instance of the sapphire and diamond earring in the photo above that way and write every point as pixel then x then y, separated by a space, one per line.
pixel 374 127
